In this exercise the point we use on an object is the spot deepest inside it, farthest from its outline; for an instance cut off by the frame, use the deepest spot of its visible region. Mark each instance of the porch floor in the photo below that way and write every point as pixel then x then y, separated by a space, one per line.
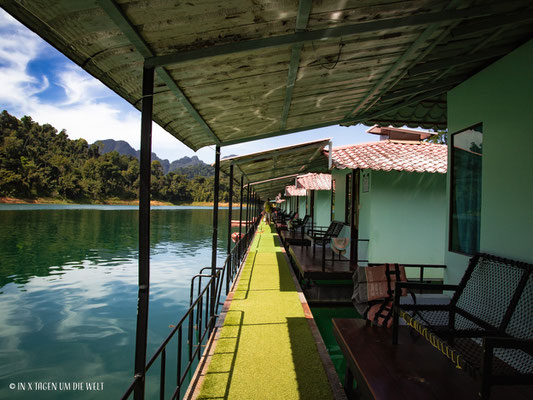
pixel 310 267
pixel 266 349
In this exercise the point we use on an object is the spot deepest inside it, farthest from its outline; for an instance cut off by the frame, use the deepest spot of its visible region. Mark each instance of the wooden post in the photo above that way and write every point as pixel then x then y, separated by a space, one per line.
pixel 144 231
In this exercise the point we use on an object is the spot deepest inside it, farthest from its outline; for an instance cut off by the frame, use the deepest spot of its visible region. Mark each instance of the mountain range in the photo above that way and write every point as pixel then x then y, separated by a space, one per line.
pixel 190 166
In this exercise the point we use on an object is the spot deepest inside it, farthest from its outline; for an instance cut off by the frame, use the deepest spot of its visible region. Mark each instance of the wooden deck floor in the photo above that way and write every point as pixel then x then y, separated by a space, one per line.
pixel 411 370
pixel 294 238
pixel 310 266
pixel 266 348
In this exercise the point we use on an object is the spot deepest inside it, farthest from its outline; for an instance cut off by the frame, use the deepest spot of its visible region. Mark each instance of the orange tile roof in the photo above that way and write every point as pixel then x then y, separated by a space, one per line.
pixel 292 190
pixel 314 181
pixel 388 155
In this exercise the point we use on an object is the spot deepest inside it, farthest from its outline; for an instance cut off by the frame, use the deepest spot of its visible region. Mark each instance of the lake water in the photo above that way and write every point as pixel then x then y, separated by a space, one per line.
pixel 68 291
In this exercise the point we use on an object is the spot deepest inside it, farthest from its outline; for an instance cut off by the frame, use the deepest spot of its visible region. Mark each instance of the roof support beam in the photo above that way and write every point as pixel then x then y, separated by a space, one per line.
pixel 278 178
pixel 315 155
pixel 324 34
pixel 345 121
pixel 456 61
pixel 489 23
pixel 421 89
pixel 174 88
pixel 291 80
pixel 260 156
pixel 415 46
pixel 400 64
pixel 285 167
pixel 285 132
pixel 114 11
pixel 413 100
pixel 304 9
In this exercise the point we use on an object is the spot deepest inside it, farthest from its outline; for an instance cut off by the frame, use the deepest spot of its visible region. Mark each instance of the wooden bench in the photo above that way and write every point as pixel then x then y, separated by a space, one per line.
pixel 486 329
pixel 412 371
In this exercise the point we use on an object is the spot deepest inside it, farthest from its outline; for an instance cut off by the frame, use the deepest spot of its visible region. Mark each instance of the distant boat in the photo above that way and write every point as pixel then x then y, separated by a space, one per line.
pixel 235 222
pixel 236 236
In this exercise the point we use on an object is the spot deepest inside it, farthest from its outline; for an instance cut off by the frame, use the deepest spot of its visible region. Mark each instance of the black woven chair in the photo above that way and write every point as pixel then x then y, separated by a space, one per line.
pixel 323 237
pixel 487 328
pixel 300 224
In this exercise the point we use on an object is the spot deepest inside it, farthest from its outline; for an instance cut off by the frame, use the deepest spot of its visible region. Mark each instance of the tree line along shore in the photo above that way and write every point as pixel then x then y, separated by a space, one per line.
pixel 38 164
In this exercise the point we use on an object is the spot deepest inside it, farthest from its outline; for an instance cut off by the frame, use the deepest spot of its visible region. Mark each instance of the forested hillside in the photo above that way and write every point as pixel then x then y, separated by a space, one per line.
pixel 37 161
pixel 188 166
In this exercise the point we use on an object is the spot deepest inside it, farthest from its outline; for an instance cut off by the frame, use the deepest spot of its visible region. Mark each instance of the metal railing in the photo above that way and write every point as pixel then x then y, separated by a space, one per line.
pixel 196 322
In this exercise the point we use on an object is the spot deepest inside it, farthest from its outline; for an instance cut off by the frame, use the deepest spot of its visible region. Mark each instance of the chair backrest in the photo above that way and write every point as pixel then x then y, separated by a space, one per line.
pixel 499 292
pixel 305 220
pixel 334 229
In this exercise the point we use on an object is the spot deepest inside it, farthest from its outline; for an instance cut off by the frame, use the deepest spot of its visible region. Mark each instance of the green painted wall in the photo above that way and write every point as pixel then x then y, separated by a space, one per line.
pixel 402 214
pixel 501 98
pixel 302 206
pixel 407 217
pixel 322 213
pixel 339 175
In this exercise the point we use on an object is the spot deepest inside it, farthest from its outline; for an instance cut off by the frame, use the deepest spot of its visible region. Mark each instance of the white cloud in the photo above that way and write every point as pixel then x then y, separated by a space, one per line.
pixel 89 109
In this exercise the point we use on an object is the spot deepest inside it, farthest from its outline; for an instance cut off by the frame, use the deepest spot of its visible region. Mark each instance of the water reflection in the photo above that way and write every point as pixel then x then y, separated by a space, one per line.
pixel 41 242
pixel 68 291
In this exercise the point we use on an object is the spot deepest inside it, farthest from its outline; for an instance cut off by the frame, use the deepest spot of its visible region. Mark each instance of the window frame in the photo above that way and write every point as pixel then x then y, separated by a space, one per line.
pixel 452 191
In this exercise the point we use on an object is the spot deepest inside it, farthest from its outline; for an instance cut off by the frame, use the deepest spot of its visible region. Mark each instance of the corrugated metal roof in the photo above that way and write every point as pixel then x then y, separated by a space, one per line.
pixel 265 166
pixel 314 181
pixel 234 71
pixel 389 155
pixel 292 190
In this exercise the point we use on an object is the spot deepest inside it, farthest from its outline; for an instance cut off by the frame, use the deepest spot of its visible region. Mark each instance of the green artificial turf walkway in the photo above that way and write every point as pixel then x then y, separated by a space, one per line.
pixel 265 349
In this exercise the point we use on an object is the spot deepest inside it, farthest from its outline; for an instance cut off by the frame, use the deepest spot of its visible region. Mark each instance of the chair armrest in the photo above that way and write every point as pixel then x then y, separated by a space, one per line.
pixel 318 236
pixel 319 229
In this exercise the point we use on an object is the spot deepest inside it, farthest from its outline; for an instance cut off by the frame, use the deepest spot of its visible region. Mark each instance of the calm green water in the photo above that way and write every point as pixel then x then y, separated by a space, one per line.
pixel 68 291
pixel 323 317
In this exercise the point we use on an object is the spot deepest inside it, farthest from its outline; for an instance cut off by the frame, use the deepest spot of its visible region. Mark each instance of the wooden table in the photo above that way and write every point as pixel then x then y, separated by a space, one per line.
pixel 411 370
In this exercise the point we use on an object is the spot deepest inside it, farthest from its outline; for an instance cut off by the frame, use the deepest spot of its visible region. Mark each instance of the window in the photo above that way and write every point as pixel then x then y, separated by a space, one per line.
pixel 348 199
pixel 465 208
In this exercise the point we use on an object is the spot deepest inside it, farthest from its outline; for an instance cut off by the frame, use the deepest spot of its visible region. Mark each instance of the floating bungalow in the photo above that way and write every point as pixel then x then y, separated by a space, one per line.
pixel 399 207
pixel 221 73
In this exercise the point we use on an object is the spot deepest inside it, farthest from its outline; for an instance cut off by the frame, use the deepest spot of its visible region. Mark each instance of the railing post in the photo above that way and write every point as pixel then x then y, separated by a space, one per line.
pixel 215 233
pixel 253 207
pixel 247 205
pixel 240 216
pixel 230 209
pixel 144 231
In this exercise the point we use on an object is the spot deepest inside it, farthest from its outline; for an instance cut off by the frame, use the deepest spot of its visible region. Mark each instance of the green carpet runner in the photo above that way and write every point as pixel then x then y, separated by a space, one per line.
pixel 265 350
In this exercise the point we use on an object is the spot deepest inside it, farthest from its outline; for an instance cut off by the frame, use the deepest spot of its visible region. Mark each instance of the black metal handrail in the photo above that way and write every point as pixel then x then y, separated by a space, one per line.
pixel 198 317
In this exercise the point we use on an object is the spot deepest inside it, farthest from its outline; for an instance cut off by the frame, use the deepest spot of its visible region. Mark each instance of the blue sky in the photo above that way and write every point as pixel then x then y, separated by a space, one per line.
pixel 39 81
